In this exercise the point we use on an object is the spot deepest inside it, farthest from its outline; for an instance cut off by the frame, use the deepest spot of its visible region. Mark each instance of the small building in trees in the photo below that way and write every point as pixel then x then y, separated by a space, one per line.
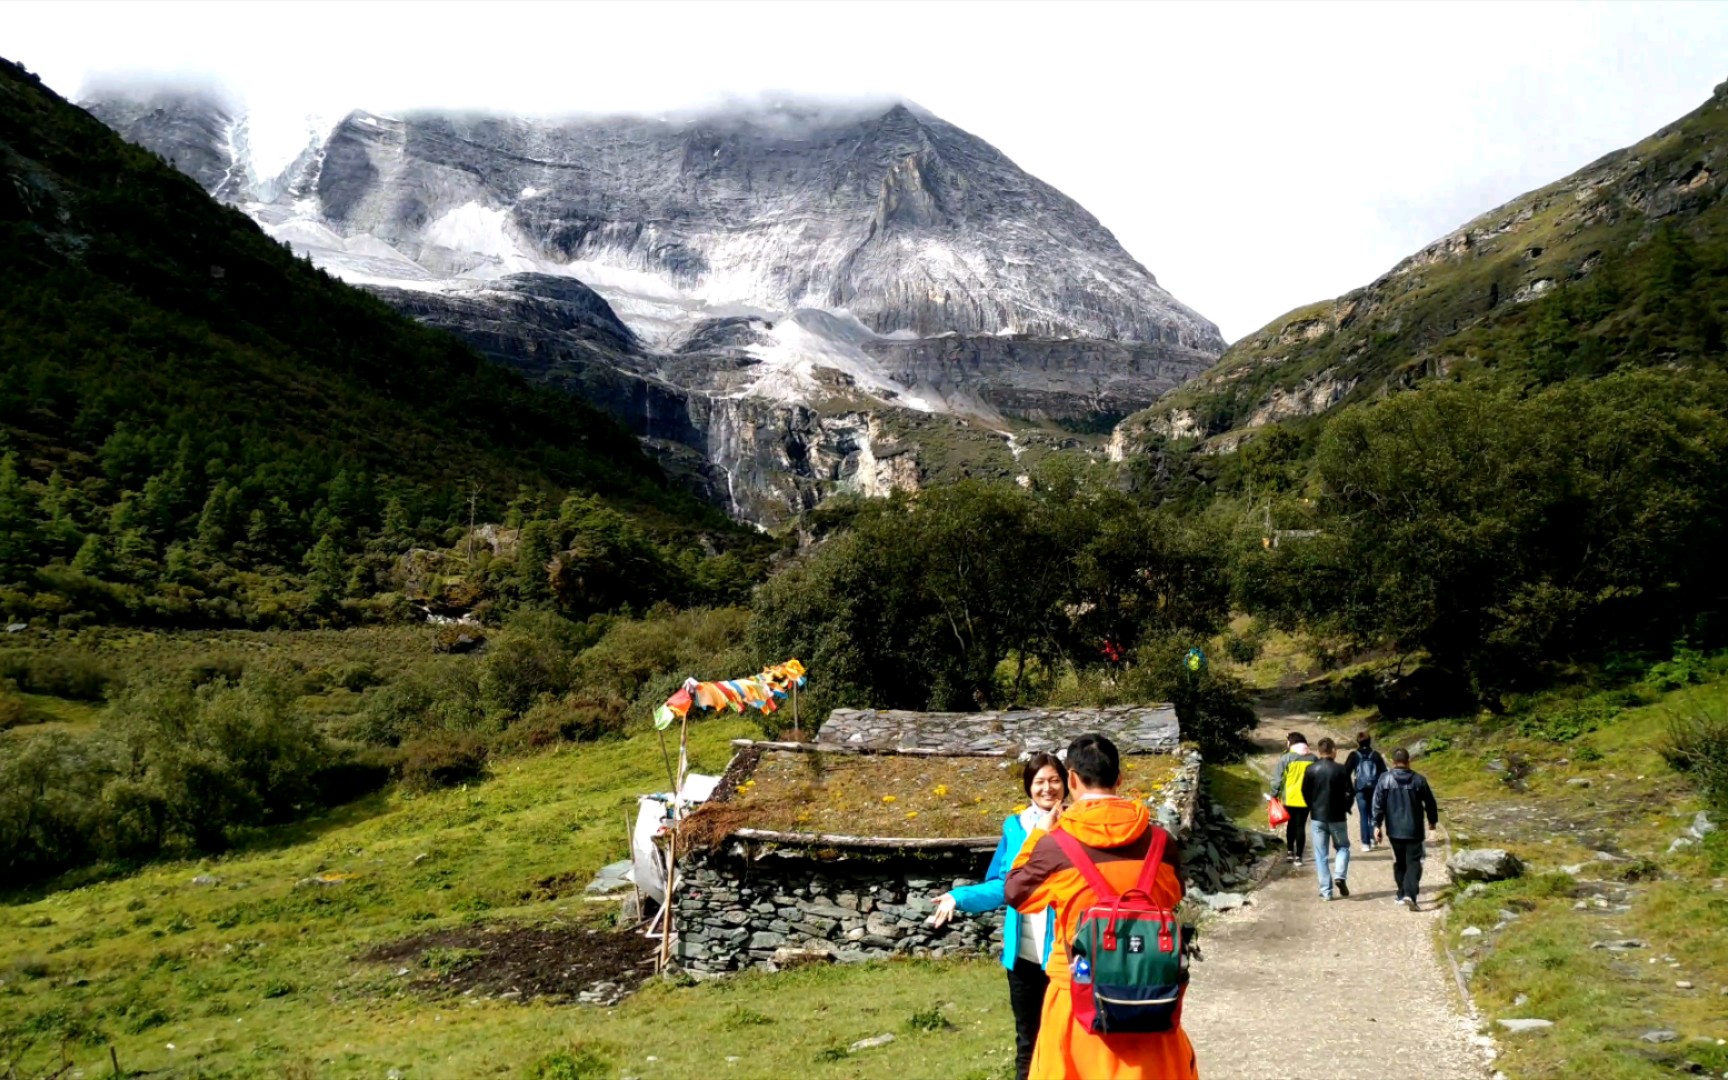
pixel 838 848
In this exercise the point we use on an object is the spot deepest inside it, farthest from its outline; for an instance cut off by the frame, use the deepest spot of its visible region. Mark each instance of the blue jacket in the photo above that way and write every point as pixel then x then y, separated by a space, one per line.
pixel 987 894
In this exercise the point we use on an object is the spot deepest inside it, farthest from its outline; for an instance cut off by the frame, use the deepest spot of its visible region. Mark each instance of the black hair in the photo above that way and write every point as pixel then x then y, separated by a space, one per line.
pixel 1326 746
pixel 1096 760
pixel 1363 739
pixel 1036 763
pixel 1294 737
pixel 1401 756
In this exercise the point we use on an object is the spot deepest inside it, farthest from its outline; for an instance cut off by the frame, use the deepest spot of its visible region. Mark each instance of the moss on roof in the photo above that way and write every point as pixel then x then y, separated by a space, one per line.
pixel 895 795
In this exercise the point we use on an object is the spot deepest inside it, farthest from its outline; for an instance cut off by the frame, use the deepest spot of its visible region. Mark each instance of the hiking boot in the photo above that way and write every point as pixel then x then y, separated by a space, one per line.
pixel 1414 906
pixel 1325 896
pixel 1343 889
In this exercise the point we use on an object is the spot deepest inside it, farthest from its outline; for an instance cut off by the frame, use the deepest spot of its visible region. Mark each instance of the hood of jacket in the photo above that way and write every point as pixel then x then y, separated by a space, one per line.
pixel 1106 823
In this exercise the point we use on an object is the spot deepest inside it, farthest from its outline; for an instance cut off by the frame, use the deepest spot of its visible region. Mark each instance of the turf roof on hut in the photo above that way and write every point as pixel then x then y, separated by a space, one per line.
pixel 887 796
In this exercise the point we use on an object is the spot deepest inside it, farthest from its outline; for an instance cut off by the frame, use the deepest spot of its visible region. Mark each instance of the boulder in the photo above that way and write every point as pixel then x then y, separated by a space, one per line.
pixel 612 878
pixel 1702 826
pixel 1483 864
pixel 1518 1027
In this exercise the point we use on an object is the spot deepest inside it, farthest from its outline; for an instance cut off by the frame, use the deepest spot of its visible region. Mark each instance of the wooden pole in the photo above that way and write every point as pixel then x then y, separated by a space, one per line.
pixel 671 780
pixel 795 706
pixel 114 1059
pixel 630 853
pixel 666 908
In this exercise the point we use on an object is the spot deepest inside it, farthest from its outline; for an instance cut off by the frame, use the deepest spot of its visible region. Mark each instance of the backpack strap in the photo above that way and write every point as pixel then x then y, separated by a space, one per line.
pixel 1076 853
pixel 1154 858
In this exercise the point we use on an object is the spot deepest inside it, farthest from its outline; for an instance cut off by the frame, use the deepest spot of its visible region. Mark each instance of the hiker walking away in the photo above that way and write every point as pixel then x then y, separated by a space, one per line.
pixel 1025 938
pixel 1287 786
pixel 1105 844
pixel 1326 789
pixel 1366 767
pixel 1403 801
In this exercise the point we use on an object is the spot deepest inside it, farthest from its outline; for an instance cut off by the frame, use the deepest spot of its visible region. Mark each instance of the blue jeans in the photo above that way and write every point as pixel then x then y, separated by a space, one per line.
pixel 1365 815
pixel 1336 835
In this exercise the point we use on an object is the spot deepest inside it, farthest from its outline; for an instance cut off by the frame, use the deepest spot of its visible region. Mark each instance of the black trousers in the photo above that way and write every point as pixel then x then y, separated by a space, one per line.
pixel 1026 984
pixel 1407 866
pixel 1296 832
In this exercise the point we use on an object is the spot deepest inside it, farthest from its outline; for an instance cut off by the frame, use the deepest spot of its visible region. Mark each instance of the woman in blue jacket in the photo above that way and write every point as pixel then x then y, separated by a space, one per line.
pixel 1025 938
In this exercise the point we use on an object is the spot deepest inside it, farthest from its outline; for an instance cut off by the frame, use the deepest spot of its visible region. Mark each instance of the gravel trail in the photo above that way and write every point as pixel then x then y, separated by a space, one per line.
pixel 1294 987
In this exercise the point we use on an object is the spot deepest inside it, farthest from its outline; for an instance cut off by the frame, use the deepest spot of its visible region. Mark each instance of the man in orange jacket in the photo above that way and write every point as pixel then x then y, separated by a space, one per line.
pixel 1117 834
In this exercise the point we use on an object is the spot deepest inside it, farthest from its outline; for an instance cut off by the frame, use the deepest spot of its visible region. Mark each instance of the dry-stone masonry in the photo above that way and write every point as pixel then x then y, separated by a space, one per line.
pixel 1135 729
pixel 734 912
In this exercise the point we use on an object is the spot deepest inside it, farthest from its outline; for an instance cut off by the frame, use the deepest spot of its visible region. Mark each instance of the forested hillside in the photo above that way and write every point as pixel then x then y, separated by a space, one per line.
pixel 199 429
pixel 1634 241
pixel 1506 462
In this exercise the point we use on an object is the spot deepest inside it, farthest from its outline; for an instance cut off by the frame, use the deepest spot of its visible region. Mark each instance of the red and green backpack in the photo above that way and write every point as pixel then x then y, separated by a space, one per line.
pixel 1126 956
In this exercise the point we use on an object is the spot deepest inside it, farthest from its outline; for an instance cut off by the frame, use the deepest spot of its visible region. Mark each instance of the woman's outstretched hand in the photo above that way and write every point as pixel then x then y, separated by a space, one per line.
pixel 944 910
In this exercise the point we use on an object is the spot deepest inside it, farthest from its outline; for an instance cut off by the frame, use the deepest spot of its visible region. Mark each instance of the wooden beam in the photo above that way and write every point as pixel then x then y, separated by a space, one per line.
pixel 907 843
pixel 815 748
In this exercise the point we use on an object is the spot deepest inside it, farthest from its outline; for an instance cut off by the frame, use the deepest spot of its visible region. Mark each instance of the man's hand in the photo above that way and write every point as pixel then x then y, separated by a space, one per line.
pixel 1053 817
pixel 1379 836
pixel 945 907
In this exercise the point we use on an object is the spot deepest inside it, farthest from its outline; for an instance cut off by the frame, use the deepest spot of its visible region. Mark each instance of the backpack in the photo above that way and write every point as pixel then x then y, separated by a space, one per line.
pixel 1126 955
pixel 1368 770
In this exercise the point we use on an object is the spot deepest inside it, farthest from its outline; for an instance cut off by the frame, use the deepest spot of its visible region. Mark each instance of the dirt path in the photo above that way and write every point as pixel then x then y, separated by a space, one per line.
pixel 1295 987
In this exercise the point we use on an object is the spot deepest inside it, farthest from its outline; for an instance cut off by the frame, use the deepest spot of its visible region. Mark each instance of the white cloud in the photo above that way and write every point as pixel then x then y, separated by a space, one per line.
pixel 1255 157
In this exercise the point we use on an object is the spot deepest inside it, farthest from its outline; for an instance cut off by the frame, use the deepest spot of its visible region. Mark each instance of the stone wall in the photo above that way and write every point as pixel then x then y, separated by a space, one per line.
pixel 735 912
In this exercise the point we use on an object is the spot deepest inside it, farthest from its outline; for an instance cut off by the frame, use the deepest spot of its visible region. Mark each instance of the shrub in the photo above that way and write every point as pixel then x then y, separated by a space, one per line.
pixel 558 720
pixel 442 759
pixel 577 1063
pixel 1215 712
pixel 1697 745
pixel 76 675
pixel 517 669
pixel 355 677
pixel 1243 648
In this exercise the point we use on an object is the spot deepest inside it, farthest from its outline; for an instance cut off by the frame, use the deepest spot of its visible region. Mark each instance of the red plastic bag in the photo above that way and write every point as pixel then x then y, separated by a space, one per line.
pixel 1276 815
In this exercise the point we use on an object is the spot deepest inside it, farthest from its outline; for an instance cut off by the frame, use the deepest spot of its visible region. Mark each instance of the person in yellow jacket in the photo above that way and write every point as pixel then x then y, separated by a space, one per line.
pixel 1287 785
pixel 1117 834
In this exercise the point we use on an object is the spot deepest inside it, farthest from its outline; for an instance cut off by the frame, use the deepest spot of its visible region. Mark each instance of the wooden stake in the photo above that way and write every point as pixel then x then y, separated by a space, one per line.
pixel 114 1059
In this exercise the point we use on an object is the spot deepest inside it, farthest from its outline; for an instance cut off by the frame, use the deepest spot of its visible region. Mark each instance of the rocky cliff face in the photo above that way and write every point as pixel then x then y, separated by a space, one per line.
pixel 750 291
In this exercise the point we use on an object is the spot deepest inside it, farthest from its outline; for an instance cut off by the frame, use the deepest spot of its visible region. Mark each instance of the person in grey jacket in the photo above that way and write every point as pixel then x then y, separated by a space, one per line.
pixel 1403 801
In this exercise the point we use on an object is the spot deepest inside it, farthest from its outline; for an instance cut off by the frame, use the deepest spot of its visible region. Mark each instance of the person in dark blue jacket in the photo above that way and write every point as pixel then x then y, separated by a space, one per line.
pixel 1402 802
pixel 1025 938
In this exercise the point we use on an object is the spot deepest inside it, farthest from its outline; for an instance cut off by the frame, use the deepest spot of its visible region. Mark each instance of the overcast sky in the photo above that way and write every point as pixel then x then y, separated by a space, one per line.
pixel 1253 157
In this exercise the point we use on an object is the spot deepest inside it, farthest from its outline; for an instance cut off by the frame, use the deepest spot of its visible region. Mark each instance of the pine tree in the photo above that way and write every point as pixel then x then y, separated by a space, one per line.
pixel 324 568
pixel 19 532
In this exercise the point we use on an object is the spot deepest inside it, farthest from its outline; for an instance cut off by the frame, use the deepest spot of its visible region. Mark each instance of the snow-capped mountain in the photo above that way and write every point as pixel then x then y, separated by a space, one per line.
pixel 838 261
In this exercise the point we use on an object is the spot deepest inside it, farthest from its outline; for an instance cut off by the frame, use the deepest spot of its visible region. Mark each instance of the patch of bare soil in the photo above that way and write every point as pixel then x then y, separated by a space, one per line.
pixel 520 963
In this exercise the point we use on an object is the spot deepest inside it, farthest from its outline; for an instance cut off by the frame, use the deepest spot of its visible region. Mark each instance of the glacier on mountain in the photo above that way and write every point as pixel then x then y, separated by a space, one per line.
pixel 806 259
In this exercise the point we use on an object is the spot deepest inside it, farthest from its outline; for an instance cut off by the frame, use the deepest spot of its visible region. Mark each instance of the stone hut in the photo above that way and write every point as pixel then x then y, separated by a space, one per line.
pixel 837 848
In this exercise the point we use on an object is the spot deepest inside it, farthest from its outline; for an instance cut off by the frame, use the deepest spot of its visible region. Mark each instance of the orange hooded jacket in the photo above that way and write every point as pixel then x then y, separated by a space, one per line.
pixel 1117 834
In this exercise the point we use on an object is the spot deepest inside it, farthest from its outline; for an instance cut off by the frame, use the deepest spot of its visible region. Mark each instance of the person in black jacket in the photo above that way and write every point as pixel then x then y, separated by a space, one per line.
pixel 1366 767
pixel 1327 790
pixel 1402 802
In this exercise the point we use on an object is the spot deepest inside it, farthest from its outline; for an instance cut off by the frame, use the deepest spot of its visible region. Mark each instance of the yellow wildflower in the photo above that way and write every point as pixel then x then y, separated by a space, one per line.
pixel 889 799
pixel 910 814
pixel 941 791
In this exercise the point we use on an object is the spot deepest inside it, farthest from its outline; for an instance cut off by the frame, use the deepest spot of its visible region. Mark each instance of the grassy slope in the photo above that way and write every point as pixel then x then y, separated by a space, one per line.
pixel 1400 326
pixel 256 977
pixel 1602 1002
